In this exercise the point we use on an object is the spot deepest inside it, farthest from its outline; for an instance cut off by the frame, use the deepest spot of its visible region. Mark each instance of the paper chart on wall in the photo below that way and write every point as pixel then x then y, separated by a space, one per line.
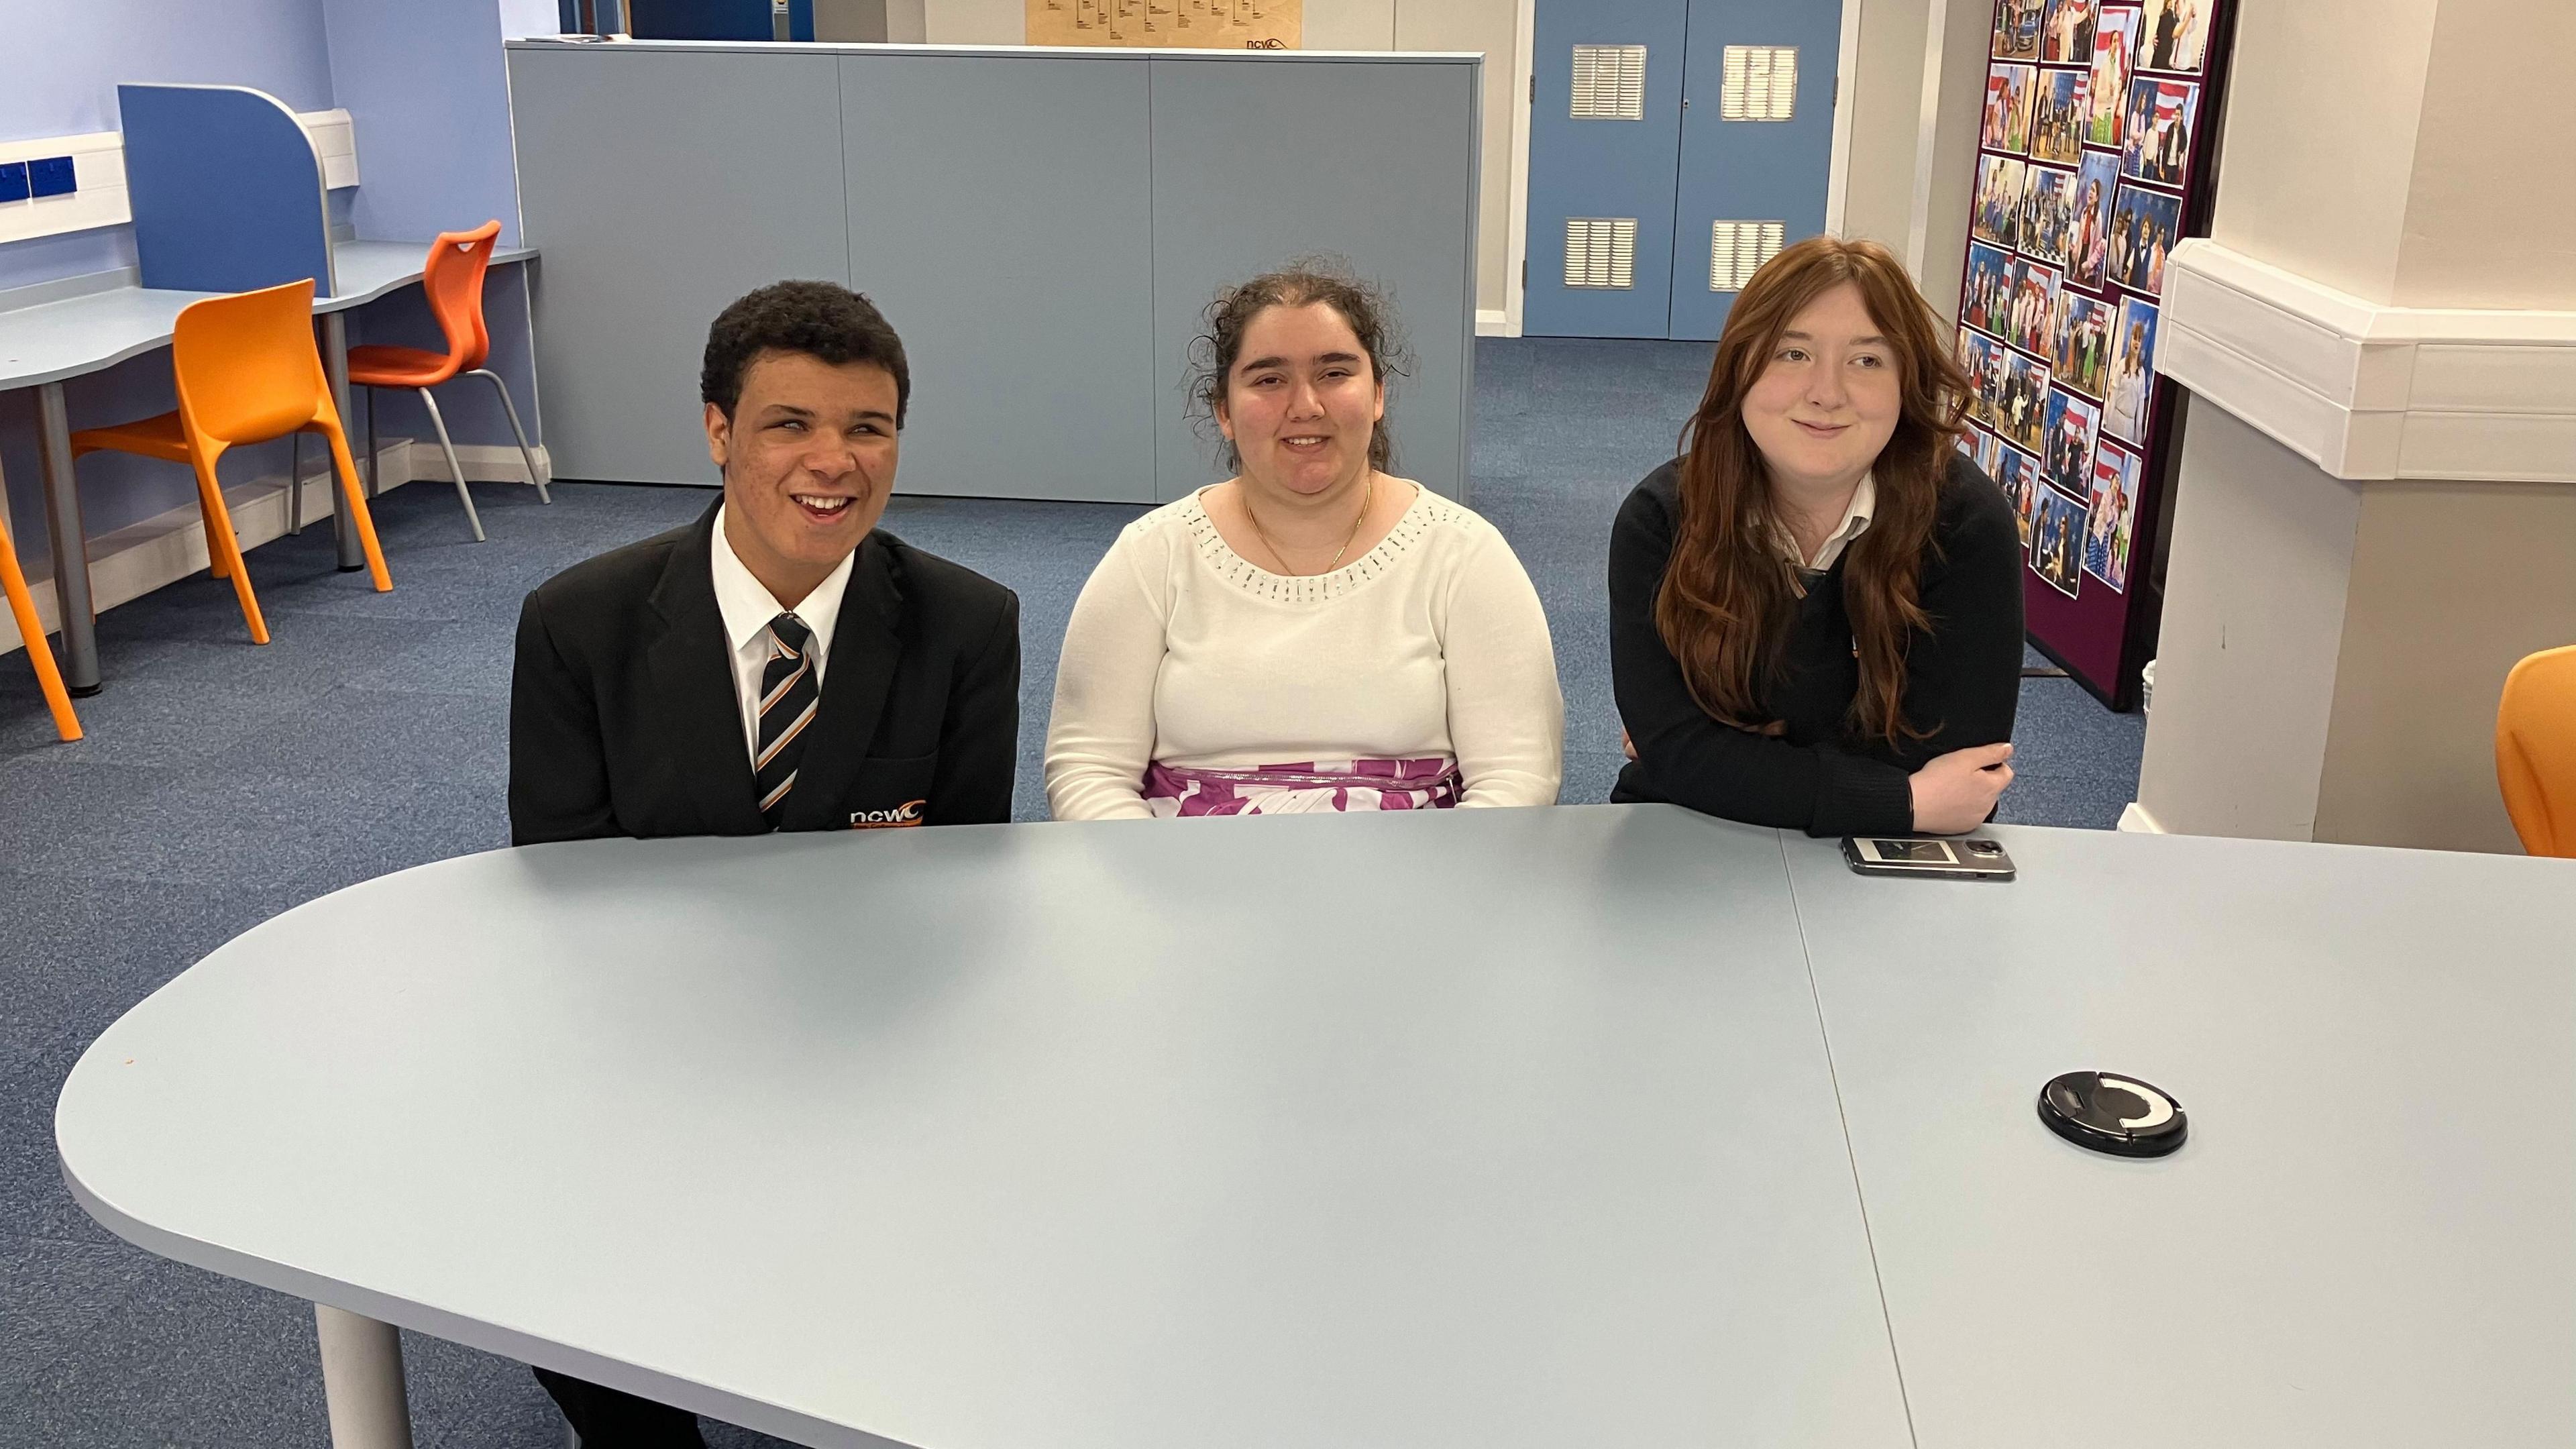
pixel 1170 24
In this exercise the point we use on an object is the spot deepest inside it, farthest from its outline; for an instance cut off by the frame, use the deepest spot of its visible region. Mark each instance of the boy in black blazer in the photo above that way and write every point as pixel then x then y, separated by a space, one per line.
pixel 778 665
pixel 781 664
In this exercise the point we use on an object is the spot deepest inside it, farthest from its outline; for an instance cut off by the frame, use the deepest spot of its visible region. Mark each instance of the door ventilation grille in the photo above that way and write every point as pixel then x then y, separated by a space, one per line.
pixel 1609 83
pixel 1601 251
pixel 1736 250
pixel 1761 83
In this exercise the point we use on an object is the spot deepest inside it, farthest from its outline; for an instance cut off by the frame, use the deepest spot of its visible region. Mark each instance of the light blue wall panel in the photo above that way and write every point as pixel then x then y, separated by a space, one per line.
pixel 1260 160
pixel 61 60
pixel 662 184
pixel 998 212
pixel 424 89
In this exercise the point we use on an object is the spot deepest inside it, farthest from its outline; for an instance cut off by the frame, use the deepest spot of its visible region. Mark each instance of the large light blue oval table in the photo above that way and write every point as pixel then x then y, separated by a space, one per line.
pixel 1593 1125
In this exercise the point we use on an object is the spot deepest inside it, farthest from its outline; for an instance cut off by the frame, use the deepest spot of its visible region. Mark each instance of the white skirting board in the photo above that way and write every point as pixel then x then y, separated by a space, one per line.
pixel 1495 322
pixel 2137 821
pixel 168 547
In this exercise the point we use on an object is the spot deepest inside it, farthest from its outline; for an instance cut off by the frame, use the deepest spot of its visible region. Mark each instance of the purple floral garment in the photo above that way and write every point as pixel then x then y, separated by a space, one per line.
pixel 1314 788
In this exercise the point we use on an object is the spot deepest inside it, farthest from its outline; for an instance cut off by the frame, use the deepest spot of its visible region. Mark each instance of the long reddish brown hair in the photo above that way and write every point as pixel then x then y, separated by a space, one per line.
pixel 1728 595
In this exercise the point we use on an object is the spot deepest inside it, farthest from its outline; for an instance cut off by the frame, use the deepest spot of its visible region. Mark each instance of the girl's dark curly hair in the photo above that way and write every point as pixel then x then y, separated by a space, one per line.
pixel 1328 280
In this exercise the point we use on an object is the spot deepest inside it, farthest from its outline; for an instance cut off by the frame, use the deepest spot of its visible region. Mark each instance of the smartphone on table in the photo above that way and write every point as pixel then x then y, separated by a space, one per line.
pixel 1965 858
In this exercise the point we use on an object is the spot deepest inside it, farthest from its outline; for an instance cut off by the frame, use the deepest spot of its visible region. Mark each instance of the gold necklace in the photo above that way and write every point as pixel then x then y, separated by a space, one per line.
pixel 1368 497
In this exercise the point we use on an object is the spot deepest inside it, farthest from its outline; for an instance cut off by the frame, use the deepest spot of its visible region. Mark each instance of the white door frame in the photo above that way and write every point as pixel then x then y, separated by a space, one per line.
pixel 1516 250
pixel 1524 70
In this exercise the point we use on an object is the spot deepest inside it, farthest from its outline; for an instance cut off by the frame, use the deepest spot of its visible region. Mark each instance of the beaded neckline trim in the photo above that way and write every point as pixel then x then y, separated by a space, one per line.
pixel 1427 511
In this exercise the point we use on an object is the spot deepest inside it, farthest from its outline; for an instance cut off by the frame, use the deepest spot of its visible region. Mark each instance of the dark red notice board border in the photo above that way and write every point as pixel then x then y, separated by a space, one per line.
pixel 2098 141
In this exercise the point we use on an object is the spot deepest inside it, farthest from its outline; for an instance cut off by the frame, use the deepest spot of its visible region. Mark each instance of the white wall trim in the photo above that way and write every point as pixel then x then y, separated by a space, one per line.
pixel 1918 231
pixel 1497 322
pixel 1516 243
pixel 2135 819
pixel 98 176
pixel 335 140
pixel 1838 170
pixel 2366 391
pixel 167 547
pixel 98 179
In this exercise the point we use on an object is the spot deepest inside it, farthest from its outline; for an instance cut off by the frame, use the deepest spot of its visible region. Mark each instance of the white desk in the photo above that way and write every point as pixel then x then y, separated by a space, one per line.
pixel 42 345
pixel 1510 1129
pixel 2370 1237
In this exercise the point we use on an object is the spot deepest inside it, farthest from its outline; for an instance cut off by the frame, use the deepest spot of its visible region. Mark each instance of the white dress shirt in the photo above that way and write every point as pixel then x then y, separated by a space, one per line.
pixel 1855 520
pixel 748 606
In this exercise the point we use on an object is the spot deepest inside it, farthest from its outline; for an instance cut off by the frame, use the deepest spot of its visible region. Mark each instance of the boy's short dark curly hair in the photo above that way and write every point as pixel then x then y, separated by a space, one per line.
pixel 820 319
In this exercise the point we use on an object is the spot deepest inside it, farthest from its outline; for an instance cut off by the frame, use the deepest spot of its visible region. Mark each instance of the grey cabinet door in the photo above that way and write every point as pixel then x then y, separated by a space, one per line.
pixel 998 213
pixel 1257 162
pixel 661 185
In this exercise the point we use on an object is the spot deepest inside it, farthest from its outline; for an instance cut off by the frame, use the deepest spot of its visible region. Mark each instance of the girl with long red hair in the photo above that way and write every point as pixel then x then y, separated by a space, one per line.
pixel 1816 610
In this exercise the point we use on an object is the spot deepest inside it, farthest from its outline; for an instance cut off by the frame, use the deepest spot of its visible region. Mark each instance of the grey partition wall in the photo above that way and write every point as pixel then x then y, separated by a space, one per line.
pixel 676 182
pixel 1000 213
pixel 1255 164
pixel 1043 226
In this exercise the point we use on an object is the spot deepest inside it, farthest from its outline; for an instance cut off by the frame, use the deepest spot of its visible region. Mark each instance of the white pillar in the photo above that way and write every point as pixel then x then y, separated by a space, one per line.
pixel 2375 513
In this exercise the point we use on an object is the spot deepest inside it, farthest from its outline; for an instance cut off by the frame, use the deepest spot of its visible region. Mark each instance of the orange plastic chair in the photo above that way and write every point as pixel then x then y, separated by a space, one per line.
pixel 2536 751
pixel 247 371
pixel 31 630
pixel 454 281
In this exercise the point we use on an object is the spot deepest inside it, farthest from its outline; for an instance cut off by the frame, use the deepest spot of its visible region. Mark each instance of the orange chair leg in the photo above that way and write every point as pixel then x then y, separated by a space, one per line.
pixel 31 629
pixel 356 502
pixel 223 543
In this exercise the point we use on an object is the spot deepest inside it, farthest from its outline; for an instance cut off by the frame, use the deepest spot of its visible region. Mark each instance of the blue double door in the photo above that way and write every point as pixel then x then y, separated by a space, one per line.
pixel 1674 146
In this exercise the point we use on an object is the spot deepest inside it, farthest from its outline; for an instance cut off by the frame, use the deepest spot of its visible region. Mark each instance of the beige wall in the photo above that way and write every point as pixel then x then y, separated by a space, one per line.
pixel 974 22
pixel 1885 95
pixel 2451 584
pixel 850 21
pixel 1488 26
pixel 2491 205
pixel 1957 36
pixel 2320 140
pixel 2254 618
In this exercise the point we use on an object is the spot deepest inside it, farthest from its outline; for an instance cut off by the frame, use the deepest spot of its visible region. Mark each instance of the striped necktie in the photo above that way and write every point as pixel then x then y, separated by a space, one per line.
pixel 788 695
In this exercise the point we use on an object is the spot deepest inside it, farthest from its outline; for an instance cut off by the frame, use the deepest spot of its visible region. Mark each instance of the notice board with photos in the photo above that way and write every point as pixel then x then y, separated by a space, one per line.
pixel 2096 153
pixel 1169 24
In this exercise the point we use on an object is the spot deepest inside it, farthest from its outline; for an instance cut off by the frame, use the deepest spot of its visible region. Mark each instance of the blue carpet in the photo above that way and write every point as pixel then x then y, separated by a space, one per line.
pixel 221 784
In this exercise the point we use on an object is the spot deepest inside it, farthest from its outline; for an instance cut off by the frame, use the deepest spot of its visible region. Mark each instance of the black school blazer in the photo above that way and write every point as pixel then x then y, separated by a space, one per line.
pixel 623 718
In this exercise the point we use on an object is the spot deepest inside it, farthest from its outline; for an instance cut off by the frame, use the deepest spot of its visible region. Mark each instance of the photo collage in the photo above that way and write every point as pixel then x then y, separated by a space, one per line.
pixel 2092 110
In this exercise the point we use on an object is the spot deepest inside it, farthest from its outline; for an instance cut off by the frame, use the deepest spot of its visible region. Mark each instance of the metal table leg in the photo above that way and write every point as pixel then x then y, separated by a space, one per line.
pixel 362 1380
pixel 70 542
pixel 335 361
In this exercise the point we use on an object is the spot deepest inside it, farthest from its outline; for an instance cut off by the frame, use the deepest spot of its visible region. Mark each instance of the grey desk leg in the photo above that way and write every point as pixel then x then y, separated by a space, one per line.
pixel 70 542
pixel 362 1380
pixel 335 360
